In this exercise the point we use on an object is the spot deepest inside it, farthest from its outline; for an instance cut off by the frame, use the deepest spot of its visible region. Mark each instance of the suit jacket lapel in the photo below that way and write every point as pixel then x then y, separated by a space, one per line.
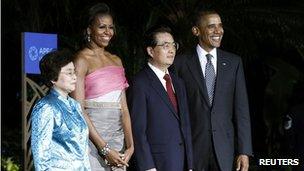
pixel 223 64
pixel 196 70
pixel 158 87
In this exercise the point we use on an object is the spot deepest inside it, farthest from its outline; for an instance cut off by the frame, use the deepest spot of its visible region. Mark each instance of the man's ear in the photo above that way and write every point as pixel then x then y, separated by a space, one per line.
pixel 195 31
pixel 150 51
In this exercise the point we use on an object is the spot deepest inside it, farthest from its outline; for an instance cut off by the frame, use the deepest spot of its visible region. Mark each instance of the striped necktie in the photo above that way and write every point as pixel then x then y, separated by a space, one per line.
pixel 210 78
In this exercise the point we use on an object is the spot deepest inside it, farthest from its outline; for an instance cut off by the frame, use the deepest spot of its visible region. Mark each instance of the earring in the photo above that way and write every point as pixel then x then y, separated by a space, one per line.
pixel 89 38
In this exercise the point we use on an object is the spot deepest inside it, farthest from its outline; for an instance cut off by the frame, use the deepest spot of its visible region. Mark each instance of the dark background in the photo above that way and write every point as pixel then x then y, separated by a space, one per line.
pixel 267 34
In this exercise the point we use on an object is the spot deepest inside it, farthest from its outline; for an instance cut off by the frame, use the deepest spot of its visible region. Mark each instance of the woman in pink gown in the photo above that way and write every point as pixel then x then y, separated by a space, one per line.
pixel 100 88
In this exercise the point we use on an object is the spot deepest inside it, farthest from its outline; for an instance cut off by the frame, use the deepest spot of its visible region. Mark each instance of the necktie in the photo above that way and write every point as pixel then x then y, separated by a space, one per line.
pixel 210 78
pixel 170 91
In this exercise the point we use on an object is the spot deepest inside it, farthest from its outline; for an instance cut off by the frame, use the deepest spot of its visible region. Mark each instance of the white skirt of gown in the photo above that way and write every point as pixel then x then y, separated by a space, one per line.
pixel 105 114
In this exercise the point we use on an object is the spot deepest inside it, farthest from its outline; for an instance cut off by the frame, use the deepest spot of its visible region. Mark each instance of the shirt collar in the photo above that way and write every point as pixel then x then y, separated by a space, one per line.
pixel 202 53
pixel 67 100
pixel 159 73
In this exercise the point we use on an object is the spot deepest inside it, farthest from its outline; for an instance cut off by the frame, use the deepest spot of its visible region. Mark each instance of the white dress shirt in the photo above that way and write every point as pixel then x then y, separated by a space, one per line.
pixel 160 75
pixel 203 59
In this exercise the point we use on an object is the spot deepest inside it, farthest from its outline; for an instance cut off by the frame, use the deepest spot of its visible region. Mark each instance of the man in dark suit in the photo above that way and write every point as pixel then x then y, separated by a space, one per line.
pixel 158 109
pixel 217 97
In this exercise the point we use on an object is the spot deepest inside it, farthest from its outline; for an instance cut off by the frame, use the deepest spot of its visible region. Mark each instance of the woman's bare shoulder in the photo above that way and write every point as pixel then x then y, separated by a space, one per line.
pixel 115 58
pixel 83 56
pixel 81 61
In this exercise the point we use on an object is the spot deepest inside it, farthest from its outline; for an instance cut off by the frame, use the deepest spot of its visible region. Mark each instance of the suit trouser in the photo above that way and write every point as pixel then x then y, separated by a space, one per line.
pixel 212 163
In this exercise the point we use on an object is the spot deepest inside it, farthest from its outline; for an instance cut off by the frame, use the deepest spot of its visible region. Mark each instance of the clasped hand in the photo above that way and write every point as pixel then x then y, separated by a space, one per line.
pixel 116 159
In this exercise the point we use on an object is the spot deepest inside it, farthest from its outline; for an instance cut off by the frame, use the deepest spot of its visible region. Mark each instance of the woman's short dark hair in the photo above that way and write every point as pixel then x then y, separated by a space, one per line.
pixel 150 35
pixel 99 9
pixel 50 65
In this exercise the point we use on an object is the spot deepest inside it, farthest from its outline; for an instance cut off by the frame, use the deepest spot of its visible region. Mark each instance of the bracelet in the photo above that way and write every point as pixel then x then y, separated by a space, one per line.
pixel 104 150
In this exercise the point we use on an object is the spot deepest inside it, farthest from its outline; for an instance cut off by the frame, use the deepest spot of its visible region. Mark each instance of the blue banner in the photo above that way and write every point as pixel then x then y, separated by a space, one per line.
pixel 35 46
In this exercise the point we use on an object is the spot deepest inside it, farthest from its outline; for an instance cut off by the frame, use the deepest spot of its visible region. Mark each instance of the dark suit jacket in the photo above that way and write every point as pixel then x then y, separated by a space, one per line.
pixel 227 122
pixel 162 137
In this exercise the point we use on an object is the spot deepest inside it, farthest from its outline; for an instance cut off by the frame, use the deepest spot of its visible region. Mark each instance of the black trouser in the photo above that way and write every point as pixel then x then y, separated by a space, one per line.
pixel 212 163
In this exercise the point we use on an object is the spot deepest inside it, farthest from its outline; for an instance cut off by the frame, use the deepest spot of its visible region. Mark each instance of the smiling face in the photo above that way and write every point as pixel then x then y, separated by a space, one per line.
pixel 101 30
pixel 162 57
pixel 66 81
pixel 209 31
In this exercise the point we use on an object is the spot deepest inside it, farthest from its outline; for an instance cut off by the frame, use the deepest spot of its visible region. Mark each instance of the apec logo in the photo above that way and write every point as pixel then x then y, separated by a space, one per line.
pixel 34 53
pixel 35 46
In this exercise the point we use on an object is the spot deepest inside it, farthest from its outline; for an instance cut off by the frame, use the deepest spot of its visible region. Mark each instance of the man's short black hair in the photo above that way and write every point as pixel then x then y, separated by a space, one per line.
pixel 150 35
pixel 199 13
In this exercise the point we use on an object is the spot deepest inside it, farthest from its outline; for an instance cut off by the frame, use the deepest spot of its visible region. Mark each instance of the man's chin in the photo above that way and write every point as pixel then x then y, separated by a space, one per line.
pixel 170 63
pixel 216 45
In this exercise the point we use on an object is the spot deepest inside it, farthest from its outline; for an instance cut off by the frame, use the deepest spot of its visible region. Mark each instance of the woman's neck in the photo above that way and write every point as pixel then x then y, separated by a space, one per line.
pixel 61 92
pixel 92 46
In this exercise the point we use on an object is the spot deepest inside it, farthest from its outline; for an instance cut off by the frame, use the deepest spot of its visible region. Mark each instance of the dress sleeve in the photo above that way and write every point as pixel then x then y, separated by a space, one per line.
pixel 41 136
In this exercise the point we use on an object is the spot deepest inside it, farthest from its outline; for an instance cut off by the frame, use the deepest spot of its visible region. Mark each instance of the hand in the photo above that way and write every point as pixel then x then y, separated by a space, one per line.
pixel 128 153
pixel 114 159
pixel 153 169
pixel 242 163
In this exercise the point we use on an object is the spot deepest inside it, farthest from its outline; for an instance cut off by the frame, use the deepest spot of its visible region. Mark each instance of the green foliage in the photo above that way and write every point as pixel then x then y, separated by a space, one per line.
pixel 8 164
pixel 11 150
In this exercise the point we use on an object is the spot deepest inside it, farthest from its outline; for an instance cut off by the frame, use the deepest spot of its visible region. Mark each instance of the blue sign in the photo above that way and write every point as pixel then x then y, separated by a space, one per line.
pixel 35 46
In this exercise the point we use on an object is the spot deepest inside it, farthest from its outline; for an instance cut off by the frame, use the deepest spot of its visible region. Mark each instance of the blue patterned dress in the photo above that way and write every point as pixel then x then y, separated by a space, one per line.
pixel 59 138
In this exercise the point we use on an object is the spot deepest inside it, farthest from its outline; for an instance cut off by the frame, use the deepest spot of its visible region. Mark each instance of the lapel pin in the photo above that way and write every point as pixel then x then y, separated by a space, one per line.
pixel 224 63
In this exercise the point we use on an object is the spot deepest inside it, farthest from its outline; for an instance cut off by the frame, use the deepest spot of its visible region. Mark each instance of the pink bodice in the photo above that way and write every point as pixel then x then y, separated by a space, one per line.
pixel 105 80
